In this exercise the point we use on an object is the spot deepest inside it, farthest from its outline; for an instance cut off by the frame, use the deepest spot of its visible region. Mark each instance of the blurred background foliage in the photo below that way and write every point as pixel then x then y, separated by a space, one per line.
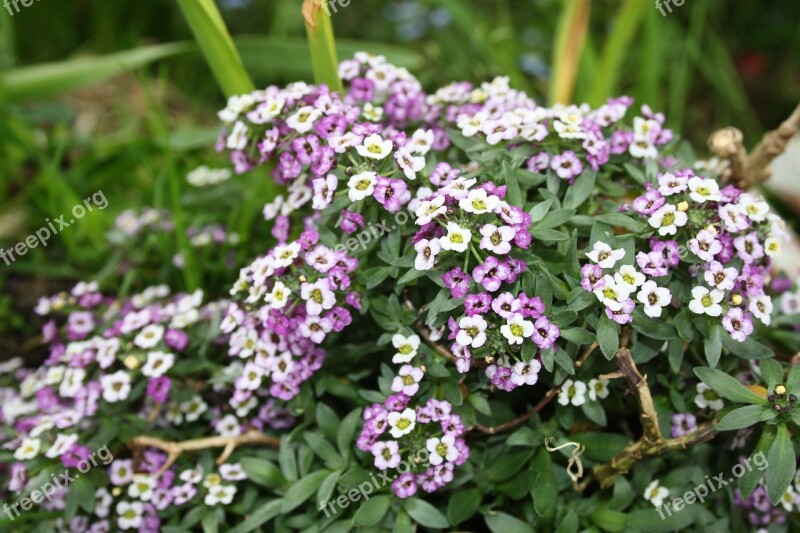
pixel 115 95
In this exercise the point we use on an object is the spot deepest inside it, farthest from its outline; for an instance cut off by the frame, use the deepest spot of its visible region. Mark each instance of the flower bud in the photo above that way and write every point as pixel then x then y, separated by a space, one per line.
pixel 780 390
pixel 737 299
pixel 131 362
pixel 683 206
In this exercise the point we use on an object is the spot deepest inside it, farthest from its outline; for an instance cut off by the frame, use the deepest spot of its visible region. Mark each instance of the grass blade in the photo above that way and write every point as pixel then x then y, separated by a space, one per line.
pixel 217 45
pixel 319 30
pixel 570 38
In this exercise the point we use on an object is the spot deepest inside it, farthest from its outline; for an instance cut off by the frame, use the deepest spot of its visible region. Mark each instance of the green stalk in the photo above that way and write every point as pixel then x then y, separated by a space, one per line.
pixel 217 46
pixel 573 25
pixel 319 30
pixel 626 25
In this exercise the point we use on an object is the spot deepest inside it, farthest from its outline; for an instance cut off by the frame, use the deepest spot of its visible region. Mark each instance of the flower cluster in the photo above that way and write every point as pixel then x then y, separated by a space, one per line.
pixel 433 429
pixel 289 301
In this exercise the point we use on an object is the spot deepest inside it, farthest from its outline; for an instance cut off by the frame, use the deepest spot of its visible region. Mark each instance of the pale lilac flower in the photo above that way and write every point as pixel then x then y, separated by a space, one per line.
pixel 705 245
pixel 497 240
pixel 407 380
pixel 683 424
pixel 567 165
pixel 545 333
pixel 738 324
pixel 720 277
pixel 526 373
pixel 491 273
pixel 386 454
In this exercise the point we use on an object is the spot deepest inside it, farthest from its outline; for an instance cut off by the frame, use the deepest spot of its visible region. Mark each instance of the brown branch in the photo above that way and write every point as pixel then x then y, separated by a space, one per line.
pixel 175 449
pixel 640 389
pixel 748 170
pixel 605 474
pixel 548 397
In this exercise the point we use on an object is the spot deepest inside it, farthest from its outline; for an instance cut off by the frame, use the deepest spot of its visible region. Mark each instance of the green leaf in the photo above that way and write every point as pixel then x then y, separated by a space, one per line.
pixel 782 465
pixel 261 515
pixel 347 430
pixel 609 520
pixel 462 505
pixel 712 345
pixel 302 490
pixel 746 416
pixel 544 489
pixel 793 380
pixel 540 210
pixel 751 478
pixel 771 373
pixel 618 219
pixel 212 36
pixel 263 472
pixel 580 190
pixel 425 514
pixel 514 194
pixel 372 511
pixel 328 485
pixel 578 335
pixel 749 349
pixel 555 219
pixel 50 79
pixel 608 336
pixel 727 386
pixel 549 235
pixel 324 449
pixel 505 523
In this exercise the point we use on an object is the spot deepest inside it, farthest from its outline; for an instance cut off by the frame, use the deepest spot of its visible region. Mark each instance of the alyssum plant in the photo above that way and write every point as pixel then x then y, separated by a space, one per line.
pixel 560 337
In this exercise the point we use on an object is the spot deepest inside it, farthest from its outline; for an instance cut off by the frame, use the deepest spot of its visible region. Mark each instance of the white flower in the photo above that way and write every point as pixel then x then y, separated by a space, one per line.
pixel 654 298
pixel 129 514
pixel 426 253
pixel 604 256
pixel 707 398
pixel 457 238
pixel 472 331
pixel 656 494
pixel 72 383
pixel 28 449
pixel 753 207
pixel 598 388
pixel 372 113
pixel 421 142
pixel 706 302
pixel 63 443
pixel 318 296
pixel 116 386
pixel 442 450
pixel 401 423
pixel 478 201
pixel 285 254
pixel 497 240
pixel 526 373
pixel 236 105
pixel 279 295
pixel 149 336
pixel 789 499
pixel 361 186
pixel 232 472
pixel 303 119
pixel 375 147
pixel 430 209
pixel 572 392
pixel 703 190
pixel 220 494
pixel 228 426
pixel 192 475
pixel 193 408
pixel 410 163
pixel 157 364
pixel 517 329
pixel 406 348
pixel 761 308
pixel 142 487
pixel 237 140
pixel 773 247
pixel 628 277
pixel 668 219
pixel 458 188
pixel 612 294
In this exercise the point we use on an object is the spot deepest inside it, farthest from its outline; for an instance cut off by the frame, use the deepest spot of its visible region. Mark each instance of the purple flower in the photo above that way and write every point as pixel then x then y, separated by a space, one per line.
pixel 74 455
pixel 463 357
pixel 19 477
pixel 623 316
pixel 386 454
pixel 405 486
pixel 738 323
pixel 531 307
pixel 501 377
pixel 592 277
pixel 567 165
pixel 669 249
pixel 457 281
pixel 683 424
pixel 351 222
pixel 176 339
pixel 477 304
pixel 392 194
pixel 158 388
pixel 545 334
pixel 491 274
pixel 652 264
pixel 649 202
